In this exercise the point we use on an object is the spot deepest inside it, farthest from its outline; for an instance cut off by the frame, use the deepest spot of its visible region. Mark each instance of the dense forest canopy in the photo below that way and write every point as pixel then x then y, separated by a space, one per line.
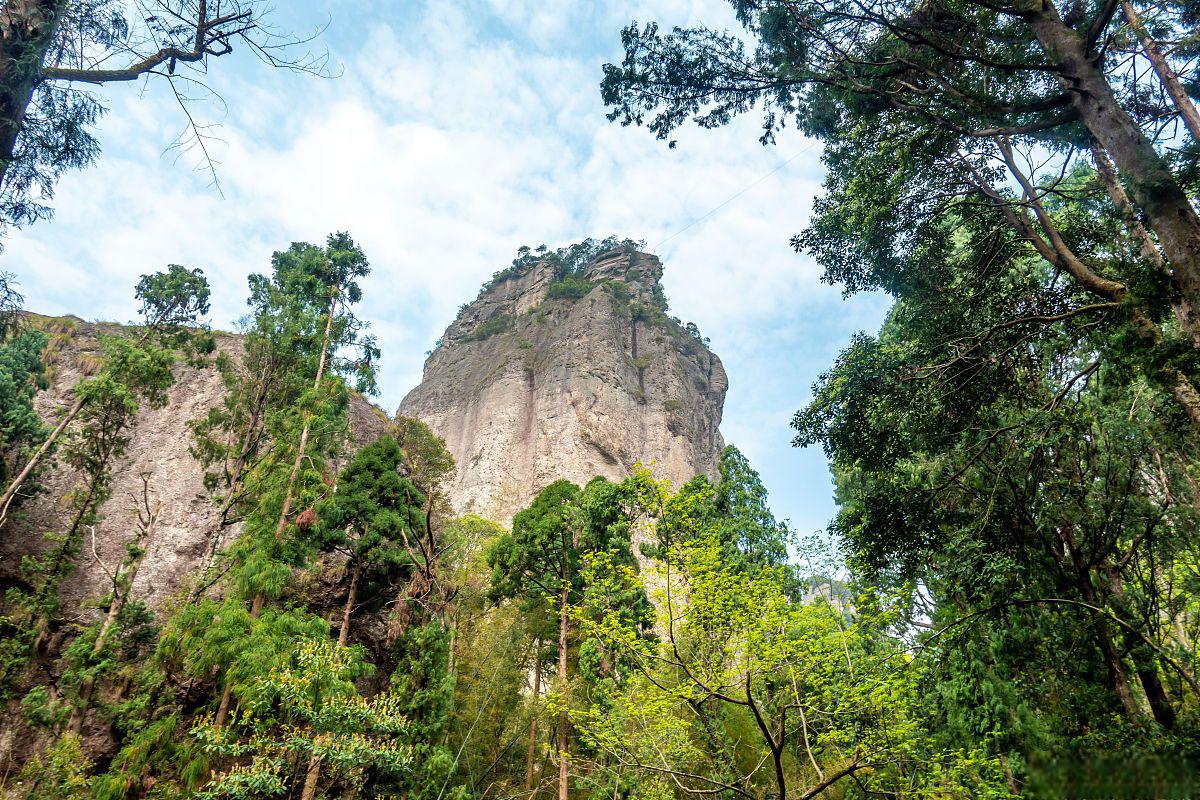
pixel 1015 450
pixel 1007 602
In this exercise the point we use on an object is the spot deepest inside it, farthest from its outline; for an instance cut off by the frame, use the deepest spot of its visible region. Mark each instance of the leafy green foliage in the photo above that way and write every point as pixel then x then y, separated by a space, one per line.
pixel 542 564
pixel 1019 499
pixel 61 773
pixel 305 709
pixel 569 288
pixel 568 261
pixel 372 518
pixel 21 377
pixel 173 302
pixel 496 324
pixel 1014 450
pixel 750 677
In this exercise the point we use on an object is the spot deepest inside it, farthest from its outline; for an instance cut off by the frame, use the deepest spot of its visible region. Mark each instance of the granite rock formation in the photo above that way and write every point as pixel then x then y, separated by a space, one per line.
pixel 159 448
pixel 549 375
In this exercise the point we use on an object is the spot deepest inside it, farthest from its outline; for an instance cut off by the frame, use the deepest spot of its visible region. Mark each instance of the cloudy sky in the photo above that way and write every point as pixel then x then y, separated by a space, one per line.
pixel 453 134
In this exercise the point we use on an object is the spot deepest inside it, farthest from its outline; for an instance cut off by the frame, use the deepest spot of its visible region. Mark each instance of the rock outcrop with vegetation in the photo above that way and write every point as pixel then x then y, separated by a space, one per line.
pixel 160 451
pixel 567 366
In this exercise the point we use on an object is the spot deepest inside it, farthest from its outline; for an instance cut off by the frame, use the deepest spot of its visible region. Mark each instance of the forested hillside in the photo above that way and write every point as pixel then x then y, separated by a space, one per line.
pixel 226 573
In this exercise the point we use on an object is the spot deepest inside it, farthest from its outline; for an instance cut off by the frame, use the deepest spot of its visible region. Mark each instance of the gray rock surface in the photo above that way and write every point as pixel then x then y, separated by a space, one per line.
pixel 158 447
pixel 571 388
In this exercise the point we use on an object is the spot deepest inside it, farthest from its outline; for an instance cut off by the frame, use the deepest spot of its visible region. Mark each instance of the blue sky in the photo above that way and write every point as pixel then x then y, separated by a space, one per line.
pixel 455 133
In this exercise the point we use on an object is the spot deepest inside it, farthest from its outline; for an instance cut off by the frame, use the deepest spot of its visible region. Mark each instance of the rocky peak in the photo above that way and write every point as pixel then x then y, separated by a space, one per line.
pixel 569 367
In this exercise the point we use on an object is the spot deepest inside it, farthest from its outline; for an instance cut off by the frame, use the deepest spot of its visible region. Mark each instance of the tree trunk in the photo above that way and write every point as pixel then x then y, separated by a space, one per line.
pixel 563 614
pixel 1147 672
pixel 1176 382
pixel 260 599
pixel 310 778
pixel 1124 207
pixel 351 596
pixel 26 31
pixel 11 492
pixel 1071 560
pixel 1143 661
pixel 1170 80
pixel 1116 672
pixel 533 721
pixel 120 598
pixel 1184 392
pixel 1151 183
pixel 223 706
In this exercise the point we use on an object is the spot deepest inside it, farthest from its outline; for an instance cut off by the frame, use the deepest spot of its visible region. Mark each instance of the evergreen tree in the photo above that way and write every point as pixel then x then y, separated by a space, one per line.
pixel 541 563
pixel 306 303
pixel 1035 505
pixel 374 517
pixel 283 346
pixel 306 711
pixel 751 531
pixel 934 117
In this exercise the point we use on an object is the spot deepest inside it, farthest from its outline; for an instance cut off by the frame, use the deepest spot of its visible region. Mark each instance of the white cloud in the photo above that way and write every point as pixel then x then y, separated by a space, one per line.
pixel 453 137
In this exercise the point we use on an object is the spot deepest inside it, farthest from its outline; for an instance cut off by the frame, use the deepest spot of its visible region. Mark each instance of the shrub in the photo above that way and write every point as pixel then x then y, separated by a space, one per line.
pixel 619 291
pixel 497 324
pixel 568 288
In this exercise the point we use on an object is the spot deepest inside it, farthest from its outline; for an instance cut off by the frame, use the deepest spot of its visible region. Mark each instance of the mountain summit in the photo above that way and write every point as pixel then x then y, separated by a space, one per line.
pixel 568 365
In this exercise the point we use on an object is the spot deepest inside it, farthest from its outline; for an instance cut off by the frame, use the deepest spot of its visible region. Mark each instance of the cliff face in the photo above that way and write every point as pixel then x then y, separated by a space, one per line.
pixel 542 378
pixel 525 389
pixel 158 448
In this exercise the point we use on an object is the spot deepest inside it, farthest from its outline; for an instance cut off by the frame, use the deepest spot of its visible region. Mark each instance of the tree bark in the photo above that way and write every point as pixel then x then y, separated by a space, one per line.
pixel 1116 671
pixel 1185 394
pixel 1124 207
pixel 310 778
pixel 1147 672
pixel 1143 662
pixel 223 706
pixel 1150 181
pixel 26 32
pixel 351 596
pixel 120 598
pixel 1071 559
pixel 1168 76
pixel 531 755
pixel 1178 384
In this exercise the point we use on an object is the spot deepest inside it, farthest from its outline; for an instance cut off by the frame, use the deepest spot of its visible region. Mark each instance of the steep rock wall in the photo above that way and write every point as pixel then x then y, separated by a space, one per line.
pixel 526 389
pixel 158 447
